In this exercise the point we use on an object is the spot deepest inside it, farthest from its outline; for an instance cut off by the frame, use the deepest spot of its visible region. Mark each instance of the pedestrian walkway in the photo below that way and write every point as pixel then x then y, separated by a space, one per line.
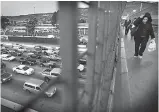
pixel 143 78
pixel 139 83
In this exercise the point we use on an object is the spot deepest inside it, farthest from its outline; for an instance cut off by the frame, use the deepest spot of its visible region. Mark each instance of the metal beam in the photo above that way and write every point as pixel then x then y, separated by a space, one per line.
pixel 92 19
pixel 68 51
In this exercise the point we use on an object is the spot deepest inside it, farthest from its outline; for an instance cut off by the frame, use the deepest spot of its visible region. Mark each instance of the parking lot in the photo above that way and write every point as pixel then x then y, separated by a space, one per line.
pixel 15 92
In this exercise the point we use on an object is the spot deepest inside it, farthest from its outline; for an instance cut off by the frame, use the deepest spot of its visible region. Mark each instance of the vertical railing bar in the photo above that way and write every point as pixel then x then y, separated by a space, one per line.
pixel 92 17
pixel 68 51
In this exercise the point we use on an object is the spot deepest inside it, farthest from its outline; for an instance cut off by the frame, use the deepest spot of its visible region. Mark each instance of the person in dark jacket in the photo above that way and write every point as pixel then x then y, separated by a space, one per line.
pixel 126 24
pixel 142 34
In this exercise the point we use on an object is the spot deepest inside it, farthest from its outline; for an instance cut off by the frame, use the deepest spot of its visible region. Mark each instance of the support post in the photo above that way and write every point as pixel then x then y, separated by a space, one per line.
pixel 68 51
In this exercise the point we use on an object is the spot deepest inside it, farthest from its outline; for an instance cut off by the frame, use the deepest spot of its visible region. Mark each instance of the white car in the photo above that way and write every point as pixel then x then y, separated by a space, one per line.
pixel 7 57
pixel 23 69
pixel 80 67
pixel 22 49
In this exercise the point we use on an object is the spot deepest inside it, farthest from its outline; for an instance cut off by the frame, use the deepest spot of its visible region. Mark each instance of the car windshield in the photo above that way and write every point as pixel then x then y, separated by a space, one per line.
pixel 8 56
pixel 25 68
pixel 47 70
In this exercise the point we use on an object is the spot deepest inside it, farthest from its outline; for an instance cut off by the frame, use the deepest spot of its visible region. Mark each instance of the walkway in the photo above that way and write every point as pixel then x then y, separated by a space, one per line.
pixel 136 87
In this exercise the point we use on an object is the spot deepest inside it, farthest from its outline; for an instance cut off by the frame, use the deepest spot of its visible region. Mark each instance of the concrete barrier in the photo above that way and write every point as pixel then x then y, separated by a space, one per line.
pixel 14 106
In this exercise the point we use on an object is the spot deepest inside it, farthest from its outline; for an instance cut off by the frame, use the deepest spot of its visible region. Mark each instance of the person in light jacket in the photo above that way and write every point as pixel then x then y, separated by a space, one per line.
pixel 142 34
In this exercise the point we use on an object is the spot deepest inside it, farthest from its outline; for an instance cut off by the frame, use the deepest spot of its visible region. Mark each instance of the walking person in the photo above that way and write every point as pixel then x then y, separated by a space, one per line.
pixel 142 34
pixel 126 24
pixel 131 27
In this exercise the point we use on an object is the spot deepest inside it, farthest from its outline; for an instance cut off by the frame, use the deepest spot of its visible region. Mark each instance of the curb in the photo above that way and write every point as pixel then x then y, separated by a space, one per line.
pixel 14 106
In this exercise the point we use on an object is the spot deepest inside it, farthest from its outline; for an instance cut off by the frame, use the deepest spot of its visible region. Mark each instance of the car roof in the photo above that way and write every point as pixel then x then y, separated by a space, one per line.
pixel 56 70
pixel 34 81
pixel 21 66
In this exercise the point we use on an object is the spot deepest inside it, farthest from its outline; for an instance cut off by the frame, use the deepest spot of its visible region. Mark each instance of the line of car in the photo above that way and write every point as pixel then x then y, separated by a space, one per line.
pixel 37 56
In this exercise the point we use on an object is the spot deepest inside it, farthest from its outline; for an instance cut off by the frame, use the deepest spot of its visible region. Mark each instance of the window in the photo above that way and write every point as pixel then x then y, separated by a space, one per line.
pixel 29 86
pixel 38 88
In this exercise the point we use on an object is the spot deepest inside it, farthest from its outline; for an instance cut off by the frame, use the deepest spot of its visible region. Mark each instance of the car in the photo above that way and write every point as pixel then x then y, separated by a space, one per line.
pixel 22 49
pixel 36 85
pixel 27 60
pixel 5 77
pixel 51 73
pixel 23 69
pixel 7 57
pixel 3 65
pixel 55 58
pixel 80 68
pixel 15 53
pixel 49 64
pixel 33 55
pixel 4 51
pixel 40 48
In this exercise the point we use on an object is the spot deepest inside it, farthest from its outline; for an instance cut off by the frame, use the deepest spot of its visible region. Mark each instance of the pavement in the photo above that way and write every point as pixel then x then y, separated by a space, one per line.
pixel 137 86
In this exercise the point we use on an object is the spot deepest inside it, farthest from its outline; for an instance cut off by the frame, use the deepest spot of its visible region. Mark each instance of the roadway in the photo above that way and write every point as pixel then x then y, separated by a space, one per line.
pixel 13 90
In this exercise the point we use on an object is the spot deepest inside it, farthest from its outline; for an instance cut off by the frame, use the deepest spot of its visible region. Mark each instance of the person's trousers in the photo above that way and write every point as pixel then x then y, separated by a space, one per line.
pixel 126 30
pixel 140 45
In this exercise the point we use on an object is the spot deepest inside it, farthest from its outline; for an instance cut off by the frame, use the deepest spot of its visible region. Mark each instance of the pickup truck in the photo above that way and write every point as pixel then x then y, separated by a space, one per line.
pixel 51 73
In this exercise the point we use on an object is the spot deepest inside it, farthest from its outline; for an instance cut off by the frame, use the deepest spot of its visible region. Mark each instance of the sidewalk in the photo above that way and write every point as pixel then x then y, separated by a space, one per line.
pixel 136 87
pixel 143 78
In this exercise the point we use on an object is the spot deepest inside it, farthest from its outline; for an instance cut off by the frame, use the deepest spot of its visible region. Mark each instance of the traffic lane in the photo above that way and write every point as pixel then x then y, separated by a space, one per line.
pixel 16 94
pixel 37 74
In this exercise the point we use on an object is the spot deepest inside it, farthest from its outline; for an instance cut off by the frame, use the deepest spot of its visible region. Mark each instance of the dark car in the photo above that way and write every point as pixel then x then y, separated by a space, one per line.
pixel 15 53
pixel 5 77
pixel 4 51
pixel 27 60
pixel 36 56
pixel 49 64
pixel 3 65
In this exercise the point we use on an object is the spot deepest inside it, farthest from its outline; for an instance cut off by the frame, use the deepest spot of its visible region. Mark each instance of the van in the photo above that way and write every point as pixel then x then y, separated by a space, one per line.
pixel 36 85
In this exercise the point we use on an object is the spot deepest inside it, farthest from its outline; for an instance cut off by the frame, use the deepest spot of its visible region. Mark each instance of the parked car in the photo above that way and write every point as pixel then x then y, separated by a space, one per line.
pixel 55 58
pixel 49 64
pixel 51 73
pixel 4 51
pixel 15 53
pixel 40 48
pixel 22 49
pixel 7 57
pixel 36 85
pixel 23 69
pixel 27 60
pixel 33 55
pixel 5 77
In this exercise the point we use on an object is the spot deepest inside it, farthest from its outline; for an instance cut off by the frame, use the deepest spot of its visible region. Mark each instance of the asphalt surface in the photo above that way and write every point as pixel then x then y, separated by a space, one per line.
pixel 15 92
pixel 141 89
pixel 6 109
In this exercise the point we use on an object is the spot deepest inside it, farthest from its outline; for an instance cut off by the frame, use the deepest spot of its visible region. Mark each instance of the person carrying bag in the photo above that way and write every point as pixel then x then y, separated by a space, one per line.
pixel 141 35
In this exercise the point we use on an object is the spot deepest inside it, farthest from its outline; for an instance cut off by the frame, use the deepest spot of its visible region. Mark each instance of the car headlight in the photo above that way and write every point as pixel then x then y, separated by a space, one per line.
pixel 3 79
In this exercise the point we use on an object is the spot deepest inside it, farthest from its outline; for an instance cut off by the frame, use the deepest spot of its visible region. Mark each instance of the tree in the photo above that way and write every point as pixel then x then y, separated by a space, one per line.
pixel 4 23
pixel 30 26
pixel 54 18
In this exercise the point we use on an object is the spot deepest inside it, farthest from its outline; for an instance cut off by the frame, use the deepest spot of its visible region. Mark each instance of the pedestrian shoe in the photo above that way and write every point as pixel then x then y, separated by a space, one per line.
pixel 135 56
pixel 140 57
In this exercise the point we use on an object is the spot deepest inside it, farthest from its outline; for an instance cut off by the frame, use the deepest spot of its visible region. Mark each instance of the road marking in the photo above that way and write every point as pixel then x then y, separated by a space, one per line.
pixel 13 105
pixel 124 64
